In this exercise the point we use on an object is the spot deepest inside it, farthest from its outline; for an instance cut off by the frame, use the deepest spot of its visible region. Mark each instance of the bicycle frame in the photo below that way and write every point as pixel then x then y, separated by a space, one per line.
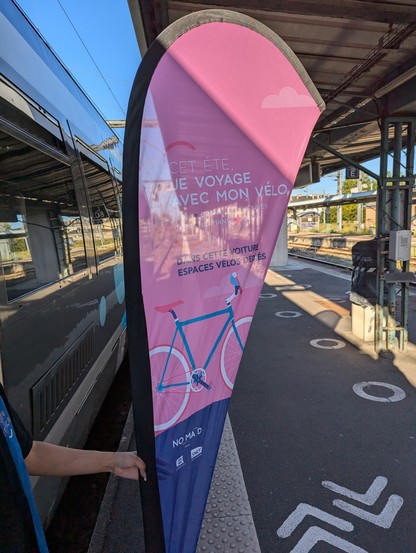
pixel 179 330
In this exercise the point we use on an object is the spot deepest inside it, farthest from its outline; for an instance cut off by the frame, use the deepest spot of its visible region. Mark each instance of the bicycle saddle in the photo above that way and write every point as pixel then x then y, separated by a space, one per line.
pixel 168 307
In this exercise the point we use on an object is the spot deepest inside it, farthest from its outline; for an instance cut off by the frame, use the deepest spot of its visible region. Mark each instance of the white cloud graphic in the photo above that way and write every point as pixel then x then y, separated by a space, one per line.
pixel 287 98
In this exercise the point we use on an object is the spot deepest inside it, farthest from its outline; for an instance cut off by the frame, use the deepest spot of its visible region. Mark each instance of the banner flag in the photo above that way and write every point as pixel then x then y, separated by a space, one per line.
pixel 220 114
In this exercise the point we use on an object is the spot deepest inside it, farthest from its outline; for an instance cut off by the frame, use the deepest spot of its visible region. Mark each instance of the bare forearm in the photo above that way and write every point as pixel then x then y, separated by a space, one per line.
pixel 48 459
pixel 51 460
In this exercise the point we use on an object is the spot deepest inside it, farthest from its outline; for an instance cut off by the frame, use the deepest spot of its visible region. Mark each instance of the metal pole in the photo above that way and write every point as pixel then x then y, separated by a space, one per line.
pixel 381 230
pixel 328 220
pixel 394 225
pixel 359 205
pixel 407 216
pixel 394 213
pixel 339 208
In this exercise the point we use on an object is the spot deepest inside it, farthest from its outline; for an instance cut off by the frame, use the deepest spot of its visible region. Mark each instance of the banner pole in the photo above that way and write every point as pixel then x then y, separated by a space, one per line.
pixel 138 347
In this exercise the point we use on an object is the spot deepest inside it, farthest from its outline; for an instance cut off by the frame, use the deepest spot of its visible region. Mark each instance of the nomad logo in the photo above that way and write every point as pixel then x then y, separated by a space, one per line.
pixel 197 431
pixel 196 452
pixel 179 461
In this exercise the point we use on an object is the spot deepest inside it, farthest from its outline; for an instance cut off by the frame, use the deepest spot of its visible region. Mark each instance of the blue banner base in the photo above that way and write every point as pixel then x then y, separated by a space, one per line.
pixel 186 456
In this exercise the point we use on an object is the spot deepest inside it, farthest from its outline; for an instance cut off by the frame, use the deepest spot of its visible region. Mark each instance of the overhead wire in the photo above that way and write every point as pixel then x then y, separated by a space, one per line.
pixel 92 58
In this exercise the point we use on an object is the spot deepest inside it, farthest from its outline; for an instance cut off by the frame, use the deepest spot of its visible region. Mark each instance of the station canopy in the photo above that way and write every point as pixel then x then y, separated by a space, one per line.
pixel 360 54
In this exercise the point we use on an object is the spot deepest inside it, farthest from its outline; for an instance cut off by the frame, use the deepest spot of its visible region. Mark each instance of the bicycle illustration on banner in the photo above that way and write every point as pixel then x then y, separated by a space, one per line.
pixel 173 379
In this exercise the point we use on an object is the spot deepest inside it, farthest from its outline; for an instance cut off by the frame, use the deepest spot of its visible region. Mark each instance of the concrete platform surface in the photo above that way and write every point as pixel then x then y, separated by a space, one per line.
pixel 319 452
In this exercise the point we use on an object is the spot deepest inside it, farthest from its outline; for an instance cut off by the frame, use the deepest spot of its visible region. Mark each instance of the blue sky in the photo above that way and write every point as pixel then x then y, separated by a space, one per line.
pixel 106 34
pixel 105 27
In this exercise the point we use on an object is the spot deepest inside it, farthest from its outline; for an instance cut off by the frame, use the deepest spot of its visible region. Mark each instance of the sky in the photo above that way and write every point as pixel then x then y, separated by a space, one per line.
pixel 96 41
pixel 104 32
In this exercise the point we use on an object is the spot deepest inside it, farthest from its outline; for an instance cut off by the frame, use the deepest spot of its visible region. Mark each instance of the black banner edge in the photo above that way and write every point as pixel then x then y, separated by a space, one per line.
pixel 138 348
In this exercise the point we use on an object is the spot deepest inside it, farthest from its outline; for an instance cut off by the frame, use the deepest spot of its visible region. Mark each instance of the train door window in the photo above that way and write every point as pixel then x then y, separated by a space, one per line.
pixel 105 209
pixel 41 239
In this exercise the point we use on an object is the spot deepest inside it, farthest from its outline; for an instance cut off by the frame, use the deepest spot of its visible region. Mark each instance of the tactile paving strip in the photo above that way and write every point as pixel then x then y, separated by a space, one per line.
pixel 228 525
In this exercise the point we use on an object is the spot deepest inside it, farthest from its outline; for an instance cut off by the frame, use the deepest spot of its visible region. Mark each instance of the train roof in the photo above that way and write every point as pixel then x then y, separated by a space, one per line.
pixel 38 81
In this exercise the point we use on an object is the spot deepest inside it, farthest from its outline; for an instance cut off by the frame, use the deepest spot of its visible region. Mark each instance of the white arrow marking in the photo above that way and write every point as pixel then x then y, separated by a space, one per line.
pixel 368 498
pixel 303 510
pixel 384 519
pixel 316 534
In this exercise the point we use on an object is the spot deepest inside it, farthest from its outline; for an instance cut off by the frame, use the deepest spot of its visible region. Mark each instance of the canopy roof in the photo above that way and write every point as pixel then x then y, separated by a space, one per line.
pixel 360 54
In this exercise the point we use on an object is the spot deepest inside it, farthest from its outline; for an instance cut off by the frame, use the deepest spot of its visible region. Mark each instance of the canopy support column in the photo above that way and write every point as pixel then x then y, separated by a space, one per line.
pixel 394 203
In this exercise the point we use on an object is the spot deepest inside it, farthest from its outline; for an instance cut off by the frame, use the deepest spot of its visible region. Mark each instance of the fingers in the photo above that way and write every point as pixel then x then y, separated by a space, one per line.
pixel 141 466
pixel 127 465
pixel 142 469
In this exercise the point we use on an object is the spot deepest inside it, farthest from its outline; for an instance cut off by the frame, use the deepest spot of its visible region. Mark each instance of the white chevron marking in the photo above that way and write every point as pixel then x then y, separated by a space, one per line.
pixel 368 498
pixel 316 534
pixel 384 519
pixel 303 510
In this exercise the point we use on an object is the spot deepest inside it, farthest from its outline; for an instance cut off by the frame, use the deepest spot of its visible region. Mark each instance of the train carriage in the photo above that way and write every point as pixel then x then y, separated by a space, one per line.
pixel 62 313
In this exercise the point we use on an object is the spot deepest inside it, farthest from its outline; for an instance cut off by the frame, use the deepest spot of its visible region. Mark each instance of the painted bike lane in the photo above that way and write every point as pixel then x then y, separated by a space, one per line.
pixel 325 434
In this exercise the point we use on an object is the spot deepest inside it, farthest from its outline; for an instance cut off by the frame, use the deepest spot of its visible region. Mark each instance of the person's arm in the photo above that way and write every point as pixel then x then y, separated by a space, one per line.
pixel 46 459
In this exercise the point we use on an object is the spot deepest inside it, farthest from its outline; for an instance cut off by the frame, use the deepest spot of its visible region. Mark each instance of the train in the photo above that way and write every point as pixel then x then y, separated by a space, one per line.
pixel 62 311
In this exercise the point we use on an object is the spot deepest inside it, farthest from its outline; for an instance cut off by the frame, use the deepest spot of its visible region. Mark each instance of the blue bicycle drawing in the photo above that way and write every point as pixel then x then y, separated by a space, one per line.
pixel 173 379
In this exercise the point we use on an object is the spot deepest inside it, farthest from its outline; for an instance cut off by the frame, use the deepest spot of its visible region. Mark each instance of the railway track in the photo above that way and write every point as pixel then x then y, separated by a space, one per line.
pixel 322 253
pixel 341 257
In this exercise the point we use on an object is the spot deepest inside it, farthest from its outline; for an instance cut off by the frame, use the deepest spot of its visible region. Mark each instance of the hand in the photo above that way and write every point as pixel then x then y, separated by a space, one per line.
pixel 46 459
pixel 128 465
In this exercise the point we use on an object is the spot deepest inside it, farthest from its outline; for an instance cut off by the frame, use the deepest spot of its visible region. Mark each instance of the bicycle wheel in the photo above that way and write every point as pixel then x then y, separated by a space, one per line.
pixel 231 350
pixel 169 403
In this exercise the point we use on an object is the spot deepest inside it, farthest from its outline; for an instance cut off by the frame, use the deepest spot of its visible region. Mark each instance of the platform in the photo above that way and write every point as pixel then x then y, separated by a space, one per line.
pixel 321 428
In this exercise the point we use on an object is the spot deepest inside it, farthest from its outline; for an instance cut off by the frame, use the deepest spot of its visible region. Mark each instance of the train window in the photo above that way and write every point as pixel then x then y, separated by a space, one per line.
pixel 105 210
pixel 41 239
